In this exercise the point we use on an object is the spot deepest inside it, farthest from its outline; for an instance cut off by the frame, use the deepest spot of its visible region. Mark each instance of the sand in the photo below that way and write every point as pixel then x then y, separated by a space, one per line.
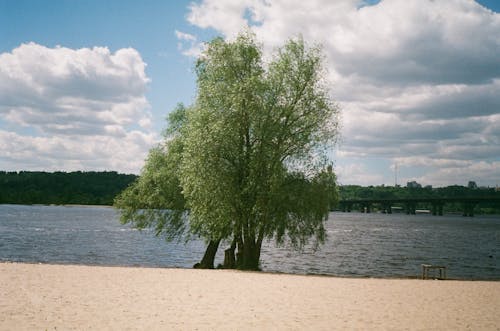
pixel 67 297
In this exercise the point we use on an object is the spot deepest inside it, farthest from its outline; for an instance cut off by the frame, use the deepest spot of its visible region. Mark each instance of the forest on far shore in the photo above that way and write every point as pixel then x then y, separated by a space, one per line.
pixel 100 188
pixel 62 188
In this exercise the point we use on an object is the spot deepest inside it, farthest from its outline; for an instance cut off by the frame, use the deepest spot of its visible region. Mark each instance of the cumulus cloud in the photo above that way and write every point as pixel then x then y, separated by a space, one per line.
pixel 78 152
pixel 415 78
pixel 81 108
pixel 208 14
pixel 480 171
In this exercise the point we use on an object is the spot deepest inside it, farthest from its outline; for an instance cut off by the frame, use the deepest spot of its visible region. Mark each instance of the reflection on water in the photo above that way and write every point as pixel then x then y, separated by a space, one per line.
pixel 361 245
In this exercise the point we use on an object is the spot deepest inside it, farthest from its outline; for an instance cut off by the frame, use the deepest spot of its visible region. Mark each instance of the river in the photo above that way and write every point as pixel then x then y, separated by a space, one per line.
pixel 358 245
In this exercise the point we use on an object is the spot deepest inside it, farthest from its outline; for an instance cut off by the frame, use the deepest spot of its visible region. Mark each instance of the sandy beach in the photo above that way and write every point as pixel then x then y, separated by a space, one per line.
pixel 67 297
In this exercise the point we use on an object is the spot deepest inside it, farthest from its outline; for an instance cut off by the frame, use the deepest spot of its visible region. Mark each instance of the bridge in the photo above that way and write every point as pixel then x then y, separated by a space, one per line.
pixel 410 204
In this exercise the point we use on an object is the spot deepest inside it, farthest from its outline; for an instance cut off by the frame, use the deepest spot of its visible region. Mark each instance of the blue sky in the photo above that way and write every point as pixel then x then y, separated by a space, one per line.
pixel 86 85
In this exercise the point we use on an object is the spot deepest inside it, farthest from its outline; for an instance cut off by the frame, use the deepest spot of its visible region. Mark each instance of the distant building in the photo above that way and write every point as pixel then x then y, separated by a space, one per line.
pixel 472 184
pixel 413 184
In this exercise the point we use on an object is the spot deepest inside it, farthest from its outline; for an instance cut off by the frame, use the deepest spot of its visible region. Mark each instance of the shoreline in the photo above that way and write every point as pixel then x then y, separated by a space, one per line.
pixel 413 277
pixel 421 213
pixel 43 296
pixel 65 205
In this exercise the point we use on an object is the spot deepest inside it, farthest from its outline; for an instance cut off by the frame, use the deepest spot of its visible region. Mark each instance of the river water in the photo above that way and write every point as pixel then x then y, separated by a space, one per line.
pixel 358 245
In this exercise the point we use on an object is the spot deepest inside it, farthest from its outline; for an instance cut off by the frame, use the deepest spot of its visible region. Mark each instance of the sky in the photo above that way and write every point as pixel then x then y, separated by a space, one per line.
pixel 87 84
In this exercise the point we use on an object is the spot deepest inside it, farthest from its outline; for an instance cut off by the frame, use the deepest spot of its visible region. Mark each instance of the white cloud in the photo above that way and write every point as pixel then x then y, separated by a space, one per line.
pixel 223 15
pixel 185 36
pixel 189 44
pixel 357 174
pixel 415 78
pixel 83 108
pixel 487 173
pixel 78 152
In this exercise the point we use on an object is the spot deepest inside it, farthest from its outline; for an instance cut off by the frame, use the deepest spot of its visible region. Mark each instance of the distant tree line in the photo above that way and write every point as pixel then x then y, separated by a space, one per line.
pixel 100 188
pixel 86 188
pixel 353 192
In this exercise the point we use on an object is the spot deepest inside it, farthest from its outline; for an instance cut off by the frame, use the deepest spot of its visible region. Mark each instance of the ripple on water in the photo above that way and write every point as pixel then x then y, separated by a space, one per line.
pixel 361 245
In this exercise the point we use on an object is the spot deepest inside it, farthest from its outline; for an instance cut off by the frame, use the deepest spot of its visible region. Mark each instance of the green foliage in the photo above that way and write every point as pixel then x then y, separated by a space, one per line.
pixel 303 207
pixel 85 188
pixel 155 199
pixel 254 133
pixel 176 120
pixel 248 158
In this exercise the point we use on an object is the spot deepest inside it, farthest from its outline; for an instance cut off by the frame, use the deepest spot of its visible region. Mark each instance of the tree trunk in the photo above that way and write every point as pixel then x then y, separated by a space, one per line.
pixel 249 255
pixel 239 254
pixel 207 262
pixel 229 258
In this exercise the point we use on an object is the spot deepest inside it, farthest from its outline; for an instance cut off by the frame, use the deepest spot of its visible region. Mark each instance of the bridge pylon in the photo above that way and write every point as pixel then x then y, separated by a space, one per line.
pixel 411 208
pixel 469 208
pixel 437 208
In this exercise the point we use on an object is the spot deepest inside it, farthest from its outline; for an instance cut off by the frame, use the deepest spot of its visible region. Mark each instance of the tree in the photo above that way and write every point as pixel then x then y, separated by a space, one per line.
pixel 250 141
pixel 248 159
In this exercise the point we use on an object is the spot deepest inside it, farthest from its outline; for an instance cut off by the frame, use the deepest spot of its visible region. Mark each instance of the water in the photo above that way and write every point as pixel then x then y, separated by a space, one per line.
pixel 358 245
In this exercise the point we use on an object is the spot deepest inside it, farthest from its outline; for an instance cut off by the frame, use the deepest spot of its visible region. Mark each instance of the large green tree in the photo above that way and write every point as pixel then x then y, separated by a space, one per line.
pixel 252 159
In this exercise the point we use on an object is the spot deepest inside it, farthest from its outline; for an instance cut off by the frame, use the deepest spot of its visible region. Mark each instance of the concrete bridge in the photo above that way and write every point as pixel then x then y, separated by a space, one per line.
pixel 410 204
